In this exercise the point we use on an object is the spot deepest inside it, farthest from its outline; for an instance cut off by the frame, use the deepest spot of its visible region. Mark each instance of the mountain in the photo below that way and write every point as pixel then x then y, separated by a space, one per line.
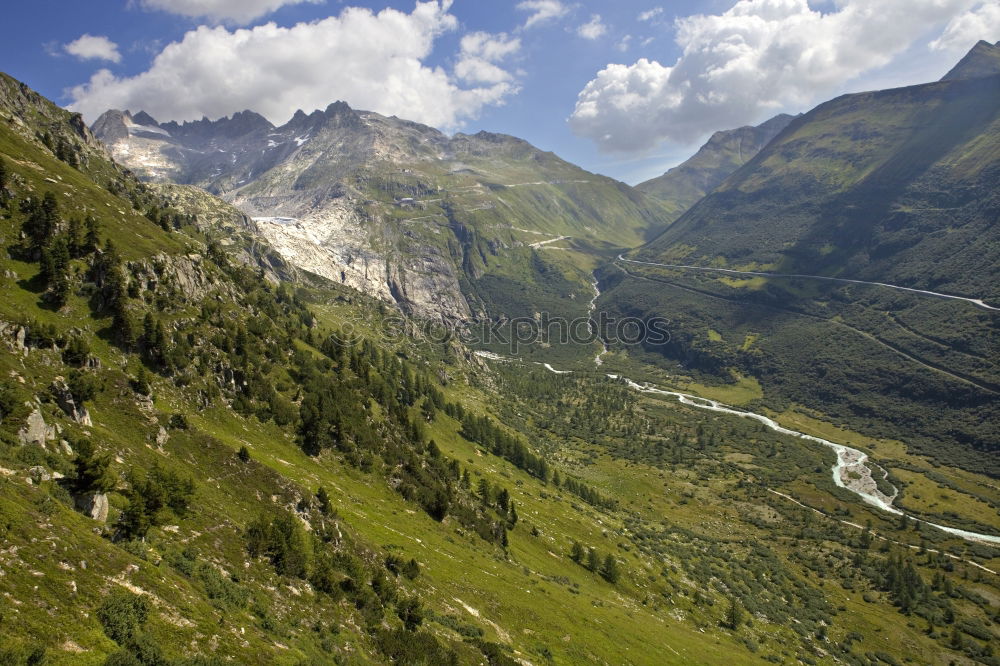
pixel 726 151
pixel 982 60
pixel 207 459
pixel 896 187
pixel 434 223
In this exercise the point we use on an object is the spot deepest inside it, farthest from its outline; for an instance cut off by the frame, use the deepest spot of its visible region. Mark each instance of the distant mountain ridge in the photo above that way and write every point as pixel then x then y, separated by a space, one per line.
pixel 857 187
pixel 891 187
pixel 396 208
pixel 682 186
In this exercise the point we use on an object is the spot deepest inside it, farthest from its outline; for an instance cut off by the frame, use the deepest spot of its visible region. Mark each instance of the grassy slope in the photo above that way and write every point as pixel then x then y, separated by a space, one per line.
pixel 666 609
pixel 894 186
pixel 872 175
pixel 35 522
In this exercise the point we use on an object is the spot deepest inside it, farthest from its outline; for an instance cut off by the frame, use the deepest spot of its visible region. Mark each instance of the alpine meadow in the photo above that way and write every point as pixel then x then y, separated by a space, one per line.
pixel 307 358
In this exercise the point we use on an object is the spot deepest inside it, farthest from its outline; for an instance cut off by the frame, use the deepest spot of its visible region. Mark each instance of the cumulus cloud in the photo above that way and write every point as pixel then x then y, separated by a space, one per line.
pixel 542 11
pixel 650 14
pixel 480 54
pixel 755 58
pixel 963 31
pixel 90 47
pixel 372 61
pixel 236 11
pixel 592 29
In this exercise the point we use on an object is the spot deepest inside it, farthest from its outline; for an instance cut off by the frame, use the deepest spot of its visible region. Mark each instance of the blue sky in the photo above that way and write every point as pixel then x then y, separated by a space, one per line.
pixel 623 88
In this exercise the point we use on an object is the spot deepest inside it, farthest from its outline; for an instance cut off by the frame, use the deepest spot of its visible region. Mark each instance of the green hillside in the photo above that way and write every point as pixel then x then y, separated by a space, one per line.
pixel 204 460
pixel 896 187
pixel 684 185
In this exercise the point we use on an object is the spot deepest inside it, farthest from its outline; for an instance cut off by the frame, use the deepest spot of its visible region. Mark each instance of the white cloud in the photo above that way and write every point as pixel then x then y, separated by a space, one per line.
pixel 624 44
pixel 592 29
pixel 89 47
pixel 964 30
pixel 372 61
pixel 542 11
pixel 480 53
pixel 651 14
pixel 236 11
pixel 758 57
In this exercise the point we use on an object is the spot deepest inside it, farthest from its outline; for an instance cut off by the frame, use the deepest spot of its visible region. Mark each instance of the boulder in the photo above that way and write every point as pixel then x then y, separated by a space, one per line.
pixel 35 430
pixel 93 505
pixel 39 474
pixel 162 436
pixel 64 398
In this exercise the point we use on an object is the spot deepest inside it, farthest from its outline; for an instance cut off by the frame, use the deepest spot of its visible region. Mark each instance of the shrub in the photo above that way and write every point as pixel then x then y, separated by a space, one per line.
pixel 122 615
pixel 76 352
pixel 411 612
pixel 83 385
pixel 179 422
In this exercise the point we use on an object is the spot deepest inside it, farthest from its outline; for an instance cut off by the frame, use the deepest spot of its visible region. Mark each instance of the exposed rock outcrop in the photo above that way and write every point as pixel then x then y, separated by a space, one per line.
pixel 94 506
pixel 64 398
pixel 36 430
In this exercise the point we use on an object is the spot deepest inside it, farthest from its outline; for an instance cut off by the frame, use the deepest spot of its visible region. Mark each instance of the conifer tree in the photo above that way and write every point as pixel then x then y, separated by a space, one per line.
pixel 92 238
pixel 593 562
pixel 734 614
pixel 609 569
pixel 323 498
pixel 93 470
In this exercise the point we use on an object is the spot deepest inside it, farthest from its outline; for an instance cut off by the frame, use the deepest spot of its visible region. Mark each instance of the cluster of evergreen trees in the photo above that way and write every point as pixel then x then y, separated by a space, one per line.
pixel 607 567
pixel 336 414
pixel 152 497
pixel 481 430
pixel 584 492
pixel 54 243
pixel 169 219
pixel 61 148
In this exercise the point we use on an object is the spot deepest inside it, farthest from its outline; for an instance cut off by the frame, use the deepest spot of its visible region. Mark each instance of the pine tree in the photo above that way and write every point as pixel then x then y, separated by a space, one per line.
pixel 323 498
pixel 512 516
pixel 93 470
pixel 135 520
pixel 734 614
pixel 609 570
pixel 484 492
pixel 593 562
pixel 576 552
pixel 503 500
pixel 42 221
pixel 55 271
pixel 92 239
pixel 74 237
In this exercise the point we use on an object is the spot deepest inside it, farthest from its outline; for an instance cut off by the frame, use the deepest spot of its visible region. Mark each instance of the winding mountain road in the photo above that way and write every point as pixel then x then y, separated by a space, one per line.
pixel 979 303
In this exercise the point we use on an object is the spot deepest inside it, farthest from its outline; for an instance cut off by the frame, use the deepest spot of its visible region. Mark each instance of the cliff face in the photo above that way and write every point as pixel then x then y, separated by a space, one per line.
pixel 387 206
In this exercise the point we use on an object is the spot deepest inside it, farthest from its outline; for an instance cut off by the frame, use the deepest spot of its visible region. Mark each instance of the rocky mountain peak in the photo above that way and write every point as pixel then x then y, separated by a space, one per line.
pixel 240 124
pixel 143 118
pixel 112 126
pixel 982 60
